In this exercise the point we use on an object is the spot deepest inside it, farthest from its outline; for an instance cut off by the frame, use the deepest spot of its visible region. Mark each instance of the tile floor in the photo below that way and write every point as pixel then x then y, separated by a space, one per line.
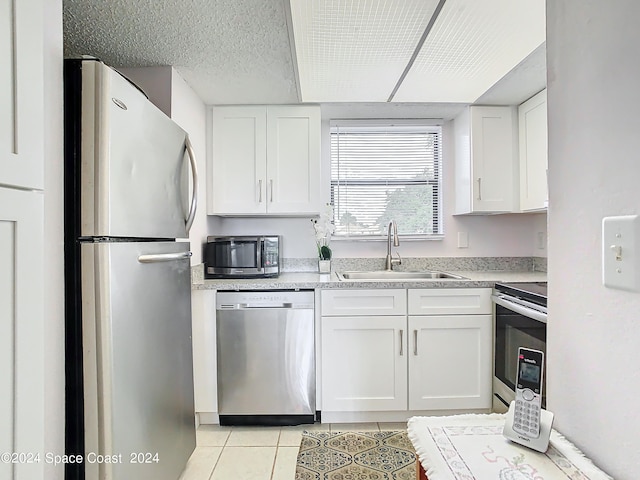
pixel 257 453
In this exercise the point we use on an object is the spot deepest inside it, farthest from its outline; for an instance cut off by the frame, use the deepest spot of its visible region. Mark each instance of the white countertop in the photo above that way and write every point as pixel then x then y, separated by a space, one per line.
pixel 309 280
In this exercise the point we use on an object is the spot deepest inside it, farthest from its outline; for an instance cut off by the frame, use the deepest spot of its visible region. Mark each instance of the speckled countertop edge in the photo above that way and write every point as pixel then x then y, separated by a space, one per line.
pixel 308 280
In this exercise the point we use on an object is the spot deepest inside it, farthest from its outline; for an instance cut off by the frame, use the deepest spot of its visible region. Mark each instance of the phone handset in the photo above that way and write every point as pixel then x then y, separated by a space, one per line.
pixel 528 401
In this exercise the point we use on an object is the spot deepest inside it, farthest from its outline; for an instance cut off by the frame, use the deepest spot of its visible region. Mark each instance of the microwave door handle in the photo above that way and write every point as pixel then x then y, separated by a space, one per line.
pixel 527 312
pixel 259 247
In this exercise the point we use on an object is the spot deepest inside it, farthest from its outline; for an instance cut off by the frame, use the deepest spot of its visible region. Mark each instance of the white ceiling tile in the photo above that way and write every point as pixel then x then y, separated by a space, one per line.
pixel 355 50
pixel 472 45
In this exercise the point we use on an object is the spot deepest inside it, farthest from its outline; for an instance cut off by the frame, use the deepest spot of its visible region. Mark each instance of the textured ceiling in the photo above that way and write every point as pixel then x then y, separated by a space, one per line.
pixel 239 51
pixel 229 51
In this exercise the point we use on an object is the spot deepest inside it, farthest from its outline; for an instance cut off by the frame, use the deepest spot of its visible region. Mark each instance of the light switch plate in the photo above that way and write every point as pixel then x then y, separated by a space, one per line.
pixel 620 252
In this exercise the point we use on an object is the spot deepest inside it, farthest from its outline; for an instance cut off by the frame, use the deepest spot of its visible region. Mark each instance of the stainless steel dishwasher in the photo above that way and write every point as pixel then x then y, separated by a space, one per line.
pixel 266 357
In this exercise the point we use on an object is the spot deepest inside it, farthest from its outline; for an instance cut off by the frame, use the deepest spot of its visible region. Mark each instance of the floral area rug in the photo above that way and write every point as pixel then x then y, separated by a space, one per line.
pixel 356 456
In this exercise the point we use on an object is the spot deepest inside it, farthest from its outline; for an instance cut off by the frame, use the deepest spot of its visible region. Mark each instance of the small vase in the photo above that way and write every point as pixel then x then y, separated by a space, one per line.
pixel 324 266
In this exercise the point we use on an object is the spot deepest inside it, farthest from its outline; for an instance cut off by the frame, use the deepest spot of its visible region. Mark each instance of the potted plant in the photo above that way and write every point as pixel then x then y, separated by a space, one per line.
pixel 324 228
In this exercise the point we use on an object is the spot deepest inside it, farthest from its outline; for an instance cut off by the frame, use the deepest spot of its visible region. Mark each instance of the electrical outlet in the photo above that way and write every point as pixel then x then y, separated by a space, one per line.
pixel 620 252
pixel 541 240
pixel 463 240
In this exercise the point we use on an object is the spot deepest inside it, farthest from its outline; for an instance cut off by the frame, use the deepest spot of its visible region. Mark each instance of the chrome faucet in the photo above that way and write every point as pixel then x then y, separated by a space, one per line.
pixel 390 262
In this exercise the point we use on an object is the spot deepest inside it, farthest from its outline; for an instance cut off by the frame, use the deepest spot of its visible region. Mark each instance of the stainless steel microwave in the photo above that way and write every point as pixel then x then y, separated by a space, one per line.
pixel 242 256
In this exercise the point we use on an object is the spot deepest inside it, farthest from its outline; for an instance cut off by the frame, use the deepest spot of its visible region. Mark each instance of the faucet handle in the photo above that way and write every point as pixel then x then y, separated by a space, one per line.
pixel 397 261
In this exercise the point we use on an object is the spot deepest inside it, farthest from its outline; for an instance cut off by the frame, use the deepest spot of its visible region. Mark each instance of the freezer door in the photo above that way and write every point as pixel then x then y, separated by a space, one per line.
pixel 138 369
pixel 134 169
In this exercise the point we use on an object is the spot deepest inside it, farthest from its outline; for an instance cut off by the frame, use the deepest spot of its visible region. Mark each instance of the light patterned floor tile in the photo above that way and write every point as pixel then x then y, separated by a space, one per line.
pixel 253 437
pixel 212 435
pixel 201 463
pixel 245 463
pixel 354 427
pixel 285 466
pixel 291 436
pixel 392 426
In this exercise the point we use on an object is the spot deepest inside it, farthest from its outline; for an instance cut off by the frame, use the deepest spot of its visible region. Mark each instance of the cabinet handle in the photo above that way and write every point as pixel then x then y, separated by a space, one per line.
pixel 271 189
pixel 415 342
pixel 401 342
pixel 479 188
pixel 260 191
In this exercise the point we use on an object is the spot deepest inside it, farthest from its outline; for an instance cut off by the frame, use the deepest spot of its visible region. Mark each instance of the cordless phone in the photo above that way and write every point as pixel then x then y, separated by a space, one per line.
pixel 528 402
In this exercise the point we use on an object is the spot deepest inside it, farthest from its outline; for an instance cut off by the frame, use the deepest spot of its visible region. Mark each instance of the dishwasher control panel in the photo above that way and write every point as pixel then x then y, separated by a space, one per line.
pixel 266 299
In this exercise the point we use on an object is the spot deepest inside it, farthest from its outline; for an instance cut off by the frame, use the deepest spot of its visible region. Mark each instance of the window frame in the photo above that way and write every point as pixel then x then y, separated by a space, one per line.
pixel 437 219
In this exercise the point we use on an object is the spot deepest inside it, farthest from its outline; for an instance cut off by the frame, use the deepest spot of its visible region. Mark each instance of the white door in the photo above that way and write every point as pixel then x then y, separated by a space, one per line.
pixel 293 159
pixel 450 362
pixel 21 239
pixel 364 366
pixel 21 94
pixel 21 332
pixel 237 173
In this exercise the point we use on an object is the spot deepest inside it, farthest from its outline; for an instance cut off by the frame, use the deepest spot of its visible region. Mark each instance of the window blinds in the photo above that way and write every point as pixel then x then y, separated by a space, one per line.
pixel 382 172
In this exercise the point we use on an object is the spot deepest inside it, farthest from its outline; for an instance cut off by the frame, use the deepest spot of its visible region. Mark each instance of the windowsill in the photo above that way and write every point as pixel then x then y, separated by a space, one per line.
pixel 384 238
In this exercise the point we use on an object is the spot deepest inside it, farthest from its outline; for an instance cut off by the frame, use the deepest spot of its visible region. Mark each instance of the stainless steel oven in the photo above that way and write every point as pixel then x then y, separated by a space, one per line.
pixel 520 321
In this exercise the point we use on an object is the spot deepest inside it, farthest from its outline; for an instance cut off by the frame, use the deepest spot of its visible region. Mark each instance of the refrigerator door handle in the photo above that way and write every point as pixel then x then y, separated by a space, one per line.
pixel 194 194
pixel 164 257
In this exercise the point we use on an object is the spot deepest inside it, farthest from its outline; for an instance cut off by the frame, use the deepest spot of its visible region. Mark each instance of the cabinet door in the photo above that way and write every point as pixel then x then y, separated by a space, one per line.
pixel 293 159
pixel 532 122
pixel 237 183
pixel 493 159
pixel 21 94
pixel 21 330
pixel 450 362
pixel 364 366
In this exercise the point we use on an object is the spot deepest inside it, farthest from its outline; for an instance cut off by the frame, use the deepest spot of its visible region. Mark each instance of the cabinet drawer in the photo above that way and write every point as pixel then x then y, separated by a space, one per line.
pixel 364 302
pixel 449 301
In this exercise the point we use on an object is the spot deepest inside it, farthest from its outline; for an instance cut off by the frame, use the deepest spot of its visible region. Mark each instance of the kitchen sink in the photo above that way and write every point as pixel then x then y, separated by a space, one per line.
pixel 391 275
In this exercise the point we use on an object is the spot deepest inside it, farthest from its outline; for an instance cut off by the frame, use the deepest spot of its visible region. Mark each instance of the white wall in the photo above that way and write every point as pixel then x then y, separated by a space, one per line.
pixel 594 171
pixel 156 83
pixel 494 235
pixel 53 239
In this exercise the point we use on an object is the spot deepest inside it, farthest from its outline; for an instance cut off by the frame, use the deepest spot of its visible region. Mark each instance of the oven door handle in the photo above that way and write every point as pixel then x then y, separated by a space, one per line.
pixel 522 310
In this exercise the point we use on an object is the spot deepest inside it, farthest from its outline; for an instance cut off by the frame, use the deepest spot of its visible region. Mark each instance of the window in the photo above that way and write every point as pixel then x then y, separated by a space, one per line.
pixel 382 171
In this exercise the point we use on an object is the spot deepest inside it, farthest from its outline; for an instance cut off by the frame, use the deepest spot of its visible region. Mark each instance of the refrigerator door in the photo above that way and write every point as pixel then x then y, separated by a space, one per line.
pixel 134 168
pixel 138 372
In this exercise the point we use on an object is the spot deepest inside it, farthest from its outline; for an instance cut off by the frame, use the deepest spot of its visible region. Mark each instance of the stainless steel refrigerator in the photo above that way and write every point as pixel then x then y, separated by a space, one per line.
pixel 129 373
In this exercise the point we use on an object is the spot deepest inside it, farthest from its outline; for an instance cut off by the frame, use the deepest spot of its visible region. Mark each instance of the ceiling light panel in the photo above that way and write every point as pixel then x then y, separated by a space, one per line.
pixel 355 50
pixel 472 45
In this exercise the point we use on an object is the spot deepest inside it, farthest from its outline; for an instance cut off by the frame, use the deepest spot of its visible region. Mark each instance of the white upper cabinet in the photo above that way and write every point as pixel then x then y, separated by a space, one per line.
pixel 265 160
pixel 485 151
pixel 532 122
pixel 21 95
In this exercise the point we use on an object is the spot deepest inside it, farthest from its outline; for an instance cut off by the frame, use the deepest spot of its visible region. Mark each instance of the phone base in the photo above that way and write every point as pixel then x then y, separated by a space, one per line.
pixel 539 444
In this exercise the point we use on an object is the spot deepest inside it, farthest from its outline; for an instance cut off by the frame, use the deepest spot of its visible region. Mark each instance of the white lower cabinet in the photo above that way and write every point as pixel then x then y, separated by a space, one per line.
pixel 364 365
pixel 450 362
pixel 396 361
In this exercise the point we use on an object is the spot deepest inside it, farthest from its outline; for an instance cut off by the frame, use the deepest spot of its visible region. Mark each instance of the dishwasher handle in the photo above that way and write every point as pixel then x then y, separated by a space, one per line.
pixel 257 306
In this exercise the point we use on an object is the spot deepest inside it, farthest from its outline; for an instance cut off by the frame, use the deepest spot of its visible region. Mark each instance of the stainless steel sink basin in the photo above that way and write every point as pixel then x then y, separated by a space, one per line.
pixel 387 275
